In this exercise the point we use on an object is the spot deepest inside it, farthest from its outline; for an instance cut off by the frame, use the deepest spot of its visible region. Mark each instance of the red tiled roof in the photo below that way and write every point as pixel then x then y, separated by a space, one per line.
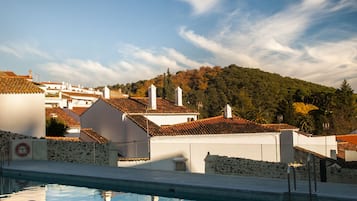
pixel 15 85
pixel 79 110
pixel 346 142
pixel 93 135
pixel 13 75
pixel 213 125
pixel 7 73
pixel 71 94
pixel 139 105
pixel 281 126
pixel 350 138
pixel 147 125
pixel 62 116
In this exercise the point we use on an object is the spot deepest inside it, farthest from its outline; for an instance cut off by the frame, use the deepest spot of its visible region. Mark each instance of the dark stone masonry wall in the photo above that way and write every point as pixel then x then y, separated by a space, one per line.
pixel 78 152
pixel 5 139
pixel 244 167
pixel 59 150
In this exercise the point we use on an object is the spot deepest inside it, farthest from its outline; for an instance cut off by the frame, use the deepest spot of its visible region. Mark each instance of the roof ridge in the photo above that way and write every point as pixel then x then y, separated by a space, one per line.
pixel 192 122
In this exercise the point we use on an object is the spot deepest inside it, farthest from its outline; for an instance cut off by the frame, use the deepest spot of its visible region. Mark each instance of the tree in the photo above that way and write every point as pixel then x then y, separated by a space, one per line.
pixel 345 100
pixel 286 109
pixel 55 128
pixel 344 111
pixel 305 123
pixel 245 107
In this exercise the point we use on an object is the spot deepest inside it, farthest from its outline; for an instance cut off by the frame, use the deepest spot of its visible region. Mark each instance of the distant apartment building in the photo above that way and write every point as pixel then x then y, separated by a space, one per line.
pixel 64 95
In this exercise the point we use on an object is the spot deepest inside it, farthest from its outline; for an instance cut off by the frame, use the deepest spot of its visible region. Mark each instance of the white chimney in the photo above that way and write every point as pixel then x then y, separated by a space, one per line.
pixel 106 92
pixel 178 96
pixel 152 97
pixel 70 105
pixel 228 112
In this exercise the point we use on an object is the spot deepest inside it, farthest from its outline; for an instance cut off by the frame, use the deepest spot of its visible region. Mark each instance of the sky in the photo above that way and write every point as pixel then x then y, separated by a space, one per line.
pixel 96 43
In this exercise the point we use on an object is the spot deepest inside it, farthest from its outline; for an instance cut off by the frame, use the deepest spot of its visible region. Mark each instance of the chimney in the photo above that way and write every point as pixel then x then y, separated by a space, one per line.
pixel 152 97
pixel 178 96
pixel 70 104
pixel 228 112
pixel 106 92
pixel 30 74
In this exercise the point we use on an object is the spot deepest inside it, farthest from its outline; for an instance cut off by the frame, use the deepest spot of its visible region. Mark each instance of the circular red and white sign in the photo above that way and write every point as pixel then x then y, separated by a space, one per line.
pixel 22 149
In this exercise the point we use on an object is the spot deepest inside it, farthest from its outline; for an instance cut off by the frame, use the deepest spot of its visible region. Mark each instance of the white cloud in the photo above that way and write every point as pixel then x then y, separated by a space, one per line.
pixel 223 55
pixel 202 6
pixel 134 64
pixel 23 50
pixel 9 50
pixel 280 43
pixel 159 59
pixel 84 72
pixel 182 59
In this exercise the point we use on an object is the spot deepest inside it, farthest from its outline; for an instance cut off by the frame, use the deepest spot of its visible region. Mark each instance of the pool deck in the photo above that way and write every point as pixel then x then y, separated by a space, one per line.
pixel 174 184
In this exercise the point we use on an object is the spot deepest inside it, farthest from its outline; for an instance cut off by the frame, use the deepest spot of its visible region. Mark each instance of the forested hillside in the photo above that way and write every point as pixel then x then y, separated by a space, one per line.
pixel 258 96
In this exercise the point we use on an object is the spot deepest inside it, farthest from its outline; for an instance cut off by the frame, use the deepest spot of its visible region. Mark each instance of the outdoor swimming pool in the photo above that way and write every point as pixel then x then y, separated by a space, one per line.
pixel 17 189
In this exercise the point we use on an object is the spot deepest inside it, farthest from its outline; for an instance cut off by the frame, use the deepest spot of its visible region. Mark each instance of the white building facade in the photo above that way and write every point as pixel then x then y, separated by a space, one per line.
pixel 22 107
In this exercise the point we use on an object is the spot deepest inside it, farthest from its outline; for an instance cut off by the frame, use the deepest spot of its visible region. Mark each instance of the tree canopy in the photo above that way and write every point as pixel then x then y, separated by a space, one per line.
pixel 258 96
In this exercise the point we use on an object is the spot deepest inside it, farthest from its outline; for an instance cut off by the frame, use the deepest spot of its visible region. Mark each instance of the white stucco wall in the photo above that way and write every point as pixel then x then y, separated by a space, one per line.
pixel 320 144
pixel 78 101
pixel 55 102
pixel 170 119
pixel 195 148
pixel 23 113
pixel 109 122
pixel 350 155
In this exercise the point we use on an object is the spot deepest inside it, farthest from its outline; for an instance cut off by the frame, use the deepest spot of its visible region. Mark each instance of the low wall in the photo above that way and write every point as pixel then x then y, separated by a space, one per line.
pixel 78 152
pixel 245 167
pixel 60 150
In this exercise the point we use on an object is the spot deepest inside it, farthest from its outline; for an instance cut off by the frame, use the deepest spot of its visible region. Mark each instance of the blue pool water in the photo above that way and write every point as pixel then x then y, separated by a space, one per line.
pixel 18 190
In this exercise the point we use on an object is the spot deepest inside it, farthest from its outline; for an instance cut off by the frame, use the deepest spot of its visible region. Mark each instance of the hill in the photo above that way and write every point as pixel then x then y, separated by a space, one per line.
pixel 253 94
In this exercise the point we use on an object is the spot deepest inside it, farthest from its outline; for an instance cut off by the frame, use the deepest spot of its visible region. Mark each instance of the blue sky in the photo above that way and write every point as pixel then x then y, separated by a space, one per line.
pixel 93 42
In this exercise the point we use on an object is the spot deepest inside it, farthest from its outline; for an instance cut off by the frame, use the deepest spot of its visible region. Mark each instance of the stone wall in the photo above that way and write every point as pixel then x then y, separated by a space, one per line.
pixel 246 167
pixel 78 152
pixel 60 150
pixel 5 140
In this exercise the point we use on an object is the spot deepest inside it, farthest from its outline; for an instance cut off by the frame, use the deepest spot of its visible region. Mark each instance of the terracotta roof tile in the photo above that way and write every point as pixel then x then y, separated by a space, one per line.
pixel 213 125
pixel 139 105
pixel 350 138
pixel 95 136
pixel 13 75
pixel 147 125
pixel 7 73
pixel 71 94
pixel 79 110
pixel 15 85
pixel 62 116
pixel 281 126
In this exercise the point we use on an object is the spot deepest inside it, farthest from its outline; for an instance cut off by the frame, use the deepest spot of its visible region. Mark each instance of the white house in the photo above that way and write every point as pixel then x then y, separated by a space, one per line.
pixel 155 133
pixel 187 144
pixel 115 119
pixel 64 95
pixel 22 107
